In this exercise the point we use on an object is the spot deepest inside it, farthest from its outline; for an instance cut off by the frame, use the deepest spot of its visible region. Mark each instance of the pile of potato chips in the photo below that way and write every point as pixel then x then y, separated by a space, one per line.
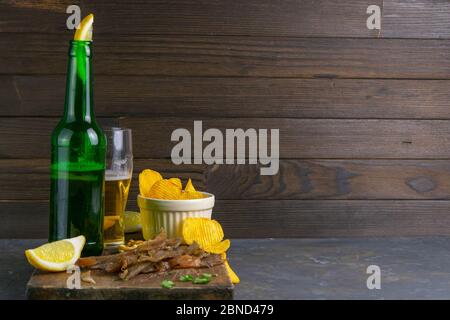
pixel 208 234
pixel 152 185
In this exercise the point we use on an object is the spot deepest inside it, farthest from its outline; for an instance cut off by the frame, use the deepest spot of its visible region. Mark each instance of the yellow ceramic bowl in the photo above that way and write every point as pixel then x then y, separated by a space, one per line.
pixel 169 214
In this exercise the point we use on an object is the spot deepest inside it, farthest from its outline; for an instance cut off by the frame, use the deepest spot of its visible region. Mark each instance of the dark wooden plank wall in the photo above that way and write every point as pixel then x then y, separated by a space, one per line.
pixel 364 115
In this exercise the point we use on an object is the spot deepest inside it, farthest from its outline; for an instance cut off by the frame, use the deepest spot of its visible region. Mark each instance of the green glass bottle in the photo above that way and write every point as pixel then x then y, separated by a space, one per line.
pixel 78 159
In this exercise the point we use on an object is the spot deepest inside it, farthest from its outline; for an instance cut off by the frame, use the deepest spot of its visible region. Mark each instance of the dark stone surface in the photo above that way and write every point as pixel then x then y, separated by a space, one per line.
pixel 411 268
pixel 14 268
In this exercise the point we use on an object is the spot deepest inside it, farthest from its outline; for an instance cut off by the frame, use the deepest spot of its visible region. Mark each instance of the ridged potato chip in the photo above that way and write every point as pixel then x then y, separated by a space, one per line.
pixel 218 248
pixel 185 195
pixel 233 276
pixel 147 179
pixel 176 182
pixel 204 231
pixel 189 186
pixel 164 189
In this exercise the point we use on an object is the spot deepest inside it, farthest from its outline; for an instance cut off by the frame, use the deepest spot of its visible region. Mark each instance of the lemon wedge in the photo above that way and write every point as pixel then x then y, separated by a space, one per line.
pixel 56 256
pixel 132 221
pixel 84 30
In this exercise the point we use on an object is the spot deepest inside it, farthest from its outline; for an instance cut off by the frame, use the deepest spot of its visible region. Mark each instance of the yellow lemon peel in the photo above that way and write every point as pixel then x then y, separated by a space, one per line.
pixel 84 30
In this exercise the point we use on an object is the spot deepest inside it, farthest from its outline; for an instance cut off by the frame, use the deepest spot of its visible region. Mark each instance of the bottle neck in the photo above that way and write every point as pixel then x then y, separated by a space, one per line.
pixel 79 104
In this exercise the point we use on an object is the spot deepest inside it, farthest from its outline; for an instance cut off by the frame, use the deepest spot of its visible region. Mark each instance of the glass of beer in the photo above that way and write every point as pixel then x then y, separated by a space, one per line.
pixel 119 169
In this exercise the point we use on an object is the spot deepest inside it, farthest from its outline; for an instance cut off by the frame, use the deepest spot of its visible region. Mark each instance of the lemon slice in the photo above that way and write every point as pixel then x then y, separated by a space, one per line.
pixel 110 221
pixel 56 256
pixel 84 31
pixel 132 221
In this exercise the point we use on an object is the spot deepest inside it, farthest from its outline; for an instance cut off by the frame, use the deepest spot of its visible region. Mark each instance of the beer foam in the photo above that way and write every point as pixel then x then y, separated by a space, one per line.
pixel 114 176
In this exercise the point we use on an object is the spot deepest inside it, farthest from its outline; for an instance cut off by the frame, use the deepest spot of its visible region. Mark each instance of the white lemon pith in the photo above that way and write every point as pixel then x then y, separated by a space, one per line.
pixel 84 31
pixel 56 256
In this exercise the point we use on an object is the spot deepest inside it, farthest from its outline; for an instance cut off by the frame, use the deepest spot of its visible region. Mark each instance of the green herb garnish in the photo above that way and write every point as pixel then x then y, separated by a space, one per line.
pixel 186 278
pixel 167 284
pixel 201 280
pixel 204 278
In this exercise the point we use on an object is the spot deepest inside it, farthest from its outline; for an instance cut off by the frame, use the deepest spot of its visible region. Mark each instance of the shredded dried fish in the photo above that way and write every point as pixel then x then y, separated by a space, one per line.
pixel 159 255
pixel 87 277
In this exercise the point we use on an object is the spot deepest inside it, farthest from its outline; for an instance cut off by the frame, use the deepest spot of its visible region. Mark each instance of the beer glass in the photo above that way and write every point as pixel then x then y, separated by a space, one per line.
pixel 119 169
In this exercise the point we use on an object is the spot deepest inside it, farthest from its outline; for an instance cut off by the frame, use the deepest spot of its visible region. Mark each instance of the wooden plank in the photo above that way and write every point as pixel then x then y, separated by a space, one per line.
pixel 232 56
pixel 415 19
pixel 319 18
pixel 311 138
pixel 53 286
pixel 281 218
pixel 333 179
pixel 30 137
pixel 27 137
pixel 289 18
pixel 29 179
pixel 333 218
pixel 234 97
pixel 299 138
pixel 24 219
pixel 298 179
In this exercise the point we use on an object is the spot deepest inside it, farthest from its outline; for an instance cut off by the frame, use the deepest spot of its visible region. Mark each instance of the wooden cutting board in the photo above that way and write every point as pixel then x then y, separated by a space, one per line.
pixel 44 285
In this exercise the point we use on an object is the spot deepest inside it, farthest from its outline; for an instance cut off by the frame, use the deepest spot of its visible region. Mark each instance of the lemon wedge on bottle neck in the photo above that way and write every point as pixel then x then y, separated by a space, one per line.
pixel 84 30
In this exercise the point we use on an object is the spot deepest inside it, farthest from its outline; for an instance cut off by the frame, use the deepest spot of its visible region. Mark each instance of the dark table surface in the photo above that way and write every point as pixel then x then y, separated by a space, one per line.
pixel 411 268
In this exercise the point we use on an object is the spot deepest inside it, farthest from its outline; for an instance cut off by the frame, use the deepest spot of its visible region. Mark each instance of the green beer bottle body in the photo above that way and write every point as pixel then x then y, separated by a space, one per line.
pixel 78 148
